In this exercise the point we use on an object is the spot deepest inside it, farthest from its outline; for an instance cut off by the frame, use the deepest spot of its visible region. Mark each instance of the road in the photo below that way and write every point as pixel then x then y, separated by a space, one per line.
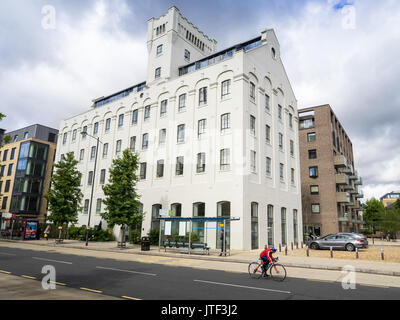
pixel 136 280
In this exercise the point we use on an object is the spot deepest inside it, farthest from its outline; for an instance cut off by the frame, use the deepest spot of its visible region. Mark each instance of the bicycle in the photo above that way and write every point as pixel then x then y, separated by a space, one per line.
pixel 276 270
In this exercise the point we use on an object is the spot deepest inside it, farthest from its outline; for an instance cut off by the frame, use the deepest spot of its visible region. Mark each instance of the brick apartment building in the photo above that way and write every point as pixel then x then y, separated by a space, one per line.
pixel 329 183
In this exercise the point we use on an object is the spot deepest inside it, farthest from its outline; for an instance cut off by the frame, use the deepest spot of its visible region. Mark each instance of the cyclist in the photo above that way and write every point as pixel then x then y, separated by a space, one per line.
pixel 267 258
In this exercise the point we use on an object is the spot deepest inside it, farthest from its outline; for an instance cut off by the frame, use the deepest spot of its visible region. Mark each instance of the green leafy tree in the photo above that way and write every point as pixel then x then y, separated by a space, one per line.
pixel 373 214
pixel 121 198
pixel 65 196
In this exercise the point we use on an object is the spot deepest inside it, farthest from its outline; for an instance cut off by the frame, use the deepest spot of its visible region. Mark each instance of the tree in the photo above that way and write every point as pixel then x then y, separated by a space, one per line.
pixel 121 199
pixel 373 214
pixel 65 195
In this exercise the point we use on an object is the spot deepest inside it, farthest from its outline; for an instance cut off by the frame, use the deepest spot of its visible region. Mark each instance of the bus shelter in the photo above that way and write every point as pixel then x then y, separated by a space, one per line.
pixel 15 228
pixel 175 230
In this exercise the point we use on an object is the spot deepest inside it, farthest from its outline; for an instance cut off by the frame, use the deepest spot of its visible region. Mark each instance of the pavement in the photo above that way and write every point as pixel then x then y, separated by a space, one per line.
pixel 100 249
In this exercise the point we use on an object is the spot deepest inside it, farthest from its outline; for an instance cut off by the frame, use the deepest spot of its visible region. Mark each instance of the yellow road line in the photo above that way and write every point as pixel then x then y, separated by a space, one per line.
pixel 58 283
pixel 91 290
pixel 126 297
pixel 318 280
pixel 28 277
pixel 6 272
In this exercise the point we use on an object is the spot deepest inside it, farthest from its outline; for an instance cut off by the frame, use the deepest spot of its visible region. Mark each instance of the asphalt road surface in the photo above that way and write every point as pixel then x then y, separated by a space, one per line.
pixel 135 280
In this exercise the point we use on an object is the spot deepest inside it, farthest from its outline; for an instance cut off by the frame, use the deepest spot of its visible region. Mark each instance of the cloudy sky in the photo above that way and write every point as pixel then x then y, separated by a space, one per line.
pixel 345 53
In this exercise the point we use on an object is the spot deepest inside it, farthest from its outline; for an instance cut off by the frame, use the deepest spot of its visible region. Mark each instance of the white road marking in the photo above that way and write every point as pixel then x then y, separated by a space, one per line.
pixel 239 286
pixel 129 271
pixel 51 260
pixel 8 254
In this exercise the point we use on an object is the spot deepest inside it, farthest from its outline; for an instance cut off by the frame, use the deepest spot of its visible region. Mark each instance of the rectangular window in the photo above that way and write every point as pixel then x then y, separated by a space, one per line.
pixel 268 167
pixel 311 137
pixel 181 133
pixel 252 91
pixel 81 154
pixel 98 206
pixel 225 88
pixel 105 150
pixel 10 168
pixel 253 161
pixel 160 168
pixel 187 55
pixel 267 108
pixel 201 162
pixel 182 102
pixel 95 128
pixel 7 186
pixel 146 112
pixel 5 155
pixel 92 153
pixel 313 172
pixel 314 189
pixel 280 141
pixel 4 203
pixel 12 155
pixel 312 154
pixel 3 168
pixel 315 208
pixel 118 147
pixel 74 134
pixel 86 207
pixel 307 123
pixel 268 133
pixel 179 166
pixel 145 141
pixel 102 176
pixel 132 144
pixel 224 159
pixel 159 49
pixel 292 148
pixel 281 171
pixel 201 127
pixel 157 73
pixel 120 120
pixel 225 121
pixel 108 125
pixel 143 167
pixel 202 96
pixel 90 178
pixel 135 116
pixel 292 175
pixel 253 125
pixel 279 112
pixel 163 108
pixel 162 137
pixel 290 120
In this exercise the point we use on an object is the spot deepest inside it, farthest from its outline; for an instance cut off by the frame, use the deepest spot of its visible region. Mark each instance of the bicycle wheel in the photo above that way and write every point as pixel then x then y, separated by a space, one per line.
pixel 277 272
pixel 255 270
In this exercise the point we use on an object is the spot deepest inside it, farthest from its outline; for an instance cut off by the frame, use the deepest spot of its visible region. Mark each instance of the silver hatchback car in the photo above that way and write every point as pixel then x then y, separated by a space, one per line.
pixel 339 241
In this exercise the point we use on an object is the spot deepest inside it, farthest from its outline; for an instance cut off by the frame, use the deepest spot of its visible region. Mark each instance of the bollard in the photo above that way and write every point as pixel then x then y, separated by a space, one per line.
pixel 302 244
pixel 331 252
pixel 356 253
pixel 297 245
pixel 280 248
pixel 382 255
pixel 307 252
pixel 291 244
pixel 285 250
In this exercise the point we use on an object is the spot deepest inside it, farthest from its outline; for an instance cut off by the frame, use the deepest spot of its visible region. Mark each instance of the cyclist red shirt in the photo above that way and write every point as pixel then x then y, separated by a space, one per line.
pixel 267 253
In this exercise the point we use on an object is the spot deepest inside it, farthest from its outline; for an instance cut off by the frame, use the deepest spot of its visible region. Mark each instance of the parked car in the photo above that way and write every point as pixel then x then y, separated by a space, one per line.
pixel 339 241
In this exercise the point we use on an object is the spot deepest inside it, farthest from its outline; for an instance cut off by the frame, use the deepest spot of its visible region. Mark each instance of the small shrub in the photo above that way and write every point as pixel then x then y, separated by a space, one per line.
pixel 134 236
pixel 154 235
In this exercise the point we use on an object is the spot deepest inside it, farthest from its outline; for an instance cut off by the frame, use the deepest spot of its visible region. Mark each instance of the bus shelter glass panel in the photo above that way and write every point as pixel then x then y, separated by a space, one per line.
pixel 198 227
pixel 155 213
pixel 223 210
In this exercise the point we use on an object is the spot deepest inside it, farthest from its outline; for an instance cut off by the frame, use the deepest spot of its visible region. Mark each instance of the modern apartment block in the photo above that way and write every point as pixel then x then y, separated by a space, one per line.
pixel 26 166
pixel 216 131
pixel 389 198
pixel 330 184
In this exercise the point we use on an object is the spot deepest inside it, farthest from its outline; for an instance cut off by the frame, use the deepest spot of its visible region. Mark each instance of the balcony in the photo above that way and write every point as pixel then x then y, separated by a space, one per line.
pixel 358 181
pixel 341 178
pixel 343 197
pixel 348 170
pixel 340 161
pixel 353 177
pixel 344 218
pixel 359 195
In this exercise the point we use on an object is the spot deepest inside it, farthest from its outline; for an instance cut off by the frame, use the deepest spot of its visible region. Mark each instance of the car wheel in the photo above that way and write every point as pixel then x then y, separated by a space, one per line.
pixel 349 247
pixel 314 246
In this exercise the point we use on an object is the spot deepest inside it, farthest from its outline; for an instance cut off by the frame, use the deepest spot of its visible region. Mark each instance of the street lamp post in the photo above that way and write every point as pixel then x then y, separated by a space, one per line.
pixel 93 180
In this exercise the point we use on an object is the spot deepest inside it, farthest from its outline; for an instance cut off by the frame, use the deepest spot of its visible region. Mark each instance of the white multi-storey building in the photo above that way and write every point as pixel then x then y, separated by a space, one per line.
pixel 217 135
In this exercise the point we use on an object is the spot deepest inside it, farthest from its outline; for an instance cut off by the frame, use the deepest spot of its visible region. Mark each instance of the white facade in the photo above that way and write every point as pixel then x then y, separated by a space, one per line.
pixel 238 176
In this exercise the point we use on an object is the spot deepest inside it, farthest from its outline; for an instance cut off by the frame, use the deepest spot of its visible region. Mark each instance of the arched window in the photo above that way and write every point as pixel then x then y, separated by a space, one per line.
pixel 199 210
pixel 223 210
pixel 283 226
pixel 155 213
pixel 270 224
pixel 254 225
